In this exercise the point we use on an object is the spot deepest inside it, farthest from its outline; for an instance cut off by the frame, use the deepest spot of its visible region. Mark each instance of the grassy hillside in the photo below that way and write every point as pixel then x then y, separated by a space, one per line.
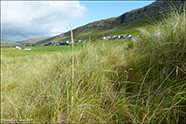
pixel 99 33
pixel 34 40
pixel 126 23
pixel 3 42
pixel 116 81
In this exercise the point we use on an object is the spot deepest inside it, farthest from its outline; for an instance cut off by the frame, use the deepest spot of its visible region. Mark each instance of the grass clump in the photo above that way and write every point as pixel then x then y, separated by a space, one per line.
pixel 160 65
pixel 139 81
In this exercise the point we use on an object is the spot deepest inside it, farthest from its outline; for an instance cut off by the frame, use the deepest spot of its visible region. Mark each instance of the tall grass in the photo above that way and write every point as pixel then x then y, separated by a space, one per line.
pixel 114 81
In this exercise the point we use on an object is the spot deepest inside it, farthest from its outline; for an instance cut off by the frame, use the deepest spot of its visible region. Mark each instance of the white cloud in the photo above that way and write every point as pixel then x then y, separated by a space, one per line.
pixel 24 20
pixel 57 31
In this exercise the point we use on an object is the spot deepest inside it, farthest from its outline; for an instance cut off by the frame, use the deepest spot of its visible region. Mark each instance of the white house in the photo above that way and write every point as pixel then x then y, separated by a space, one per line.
pixel 104 38
pixel 108 38
pixel 118 36
pixel 113 37
pixel 27 48
pixel 18 47
pixel 130 35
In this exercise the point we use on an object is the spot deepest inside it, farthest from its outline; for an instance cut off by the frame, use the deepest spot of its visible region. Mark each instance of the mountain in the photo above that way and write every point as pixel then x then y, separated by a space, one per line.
pixel 4 42
pixel 126 23
pixel 34 40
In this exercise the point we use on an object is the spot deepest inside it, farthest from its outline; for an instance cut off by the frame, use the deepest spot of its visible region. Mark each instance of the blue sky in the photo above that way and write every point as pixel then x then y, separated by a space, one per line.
pixel 22 20
pixel 99 10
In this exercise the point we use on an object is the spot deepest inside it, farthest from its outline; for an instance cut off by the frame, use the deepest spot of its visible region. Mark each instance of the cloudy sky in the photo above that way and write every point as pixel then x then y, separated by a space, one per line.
pixel 21 20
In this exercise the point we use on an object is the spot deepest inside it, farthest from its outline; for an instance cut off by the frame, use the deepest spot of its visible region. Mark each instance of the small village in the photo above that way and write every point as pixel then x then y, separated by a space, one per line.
pixel 123 36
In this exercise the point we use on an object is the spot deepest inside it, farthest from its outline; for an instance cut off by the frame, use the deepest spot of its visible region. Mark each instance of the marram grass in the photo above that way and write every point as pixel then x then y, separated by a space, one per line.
pixel 114 81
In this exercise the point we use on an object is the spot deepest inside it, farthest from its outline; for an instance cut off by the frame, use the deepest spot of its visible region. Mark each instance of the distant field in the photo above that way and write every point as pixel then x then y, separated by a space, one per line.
pixel 7 51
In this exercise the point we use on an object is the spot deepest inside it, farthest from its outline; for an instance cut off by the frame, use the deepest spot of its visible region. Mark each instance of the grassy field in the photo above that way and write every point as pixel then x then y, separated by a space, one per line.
pixel 141 81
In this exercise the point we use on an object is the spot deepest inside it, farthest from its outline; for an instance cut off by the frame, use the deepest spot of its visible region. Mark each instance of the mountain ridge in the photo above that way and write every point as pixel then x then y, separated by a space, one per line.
pixel 5 42
pixel 153 10
pixel 126 17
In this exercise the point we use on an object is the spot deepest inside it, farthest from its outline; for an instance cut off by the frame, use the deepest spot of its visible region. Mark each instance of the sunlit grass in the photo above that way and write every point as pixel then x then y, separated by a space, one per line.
pixel 116 81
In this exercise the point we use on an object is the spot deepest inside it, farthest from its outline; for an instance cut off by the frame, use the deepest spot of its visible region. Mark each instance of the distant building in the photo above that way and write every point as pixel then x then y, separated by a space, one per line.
pixel 18 47
pixel 104 38
pixel 27 49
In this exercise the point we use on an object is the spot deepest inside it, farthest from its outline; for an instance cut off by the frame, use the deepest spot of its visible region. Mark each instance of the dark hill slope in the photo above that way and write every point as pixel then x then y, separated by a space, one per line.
pixel 130 19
